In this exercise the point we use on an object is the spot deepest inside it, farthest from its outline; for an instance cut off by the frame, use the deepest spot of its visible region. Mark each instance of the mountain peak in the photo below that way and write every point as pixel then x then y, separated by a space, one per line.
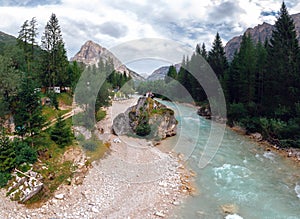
pixel 91 53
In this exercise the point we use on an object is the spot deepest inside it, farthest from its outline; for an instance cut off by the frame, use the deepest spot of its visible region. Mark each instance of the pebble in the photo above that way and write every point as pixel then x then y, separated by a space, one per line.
pixel 59 196
pixel 159 214
pixel 95 209
pixel 104 194
pixel 176 203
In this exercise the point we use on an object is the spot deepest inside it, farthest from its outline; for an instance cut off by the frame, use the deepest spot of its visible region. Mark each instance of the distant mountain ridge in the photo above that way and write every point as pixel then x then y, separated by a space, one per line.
pixel 160 73
pixel 260 32
pixel 91 52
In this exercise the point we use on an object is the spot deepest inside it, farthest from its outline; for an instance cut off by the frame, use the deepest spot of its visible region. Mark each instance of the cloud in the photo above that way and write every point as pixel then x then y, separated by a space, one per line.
pixel 113 29
pixel 111 22
pixel 225 11
pixel 28 3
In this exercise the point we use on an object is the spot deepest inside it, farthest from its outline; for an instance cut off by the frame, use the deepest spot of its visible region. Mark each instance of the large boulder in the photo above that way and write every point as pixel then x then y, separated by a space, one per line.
pixel 147 118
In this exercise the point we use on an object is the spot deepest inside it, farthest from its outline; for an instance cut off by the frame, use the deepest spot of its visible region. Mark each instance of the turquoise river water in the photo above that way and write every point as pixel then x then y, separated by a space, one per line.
pixel 261 184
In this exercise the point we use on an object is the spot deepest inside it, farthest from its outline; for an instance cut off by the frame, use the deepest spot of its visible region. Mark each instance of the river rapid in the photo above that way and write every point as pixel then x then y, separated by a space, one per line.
pixel 258 183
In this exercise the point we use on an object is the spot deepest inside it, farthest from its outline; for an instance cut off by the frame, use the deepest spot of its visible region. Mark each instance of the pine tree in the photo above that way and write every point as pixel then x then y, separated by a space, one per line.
pixel 55 60
pixel 283 80
pixel 61 133
pixel 172 74
pixel 27 41
pixel 195 69
pixel 247 68
pixel 203 51
pixel 198 49
pixel 217 59
pixel 28 111
pixel 7 154
pixel 10 79
pixel 232 81
pixel 261 61
pixel 183 74
pixel 23 41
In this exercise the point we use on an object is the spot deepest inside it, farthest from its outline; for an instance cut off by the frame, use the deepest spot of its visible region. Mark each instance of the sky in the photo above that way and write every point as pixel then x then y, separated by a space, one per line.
pixel 112 22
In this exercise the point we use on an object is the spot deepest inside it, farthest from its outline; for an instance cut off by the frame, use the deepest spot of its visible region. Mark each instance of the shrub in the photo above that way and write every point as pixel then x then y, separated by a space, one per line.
pixel 100 115
pixel 4 177
pixel 252 124
pixel 24 153
pixel 236 112
pixel 143 129
pixel 90 145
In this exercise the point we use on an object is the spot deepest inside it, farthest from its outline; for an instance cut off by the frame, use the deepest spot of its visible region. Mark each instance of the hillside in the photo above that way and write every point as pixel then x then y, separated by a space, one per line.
pixel 6 39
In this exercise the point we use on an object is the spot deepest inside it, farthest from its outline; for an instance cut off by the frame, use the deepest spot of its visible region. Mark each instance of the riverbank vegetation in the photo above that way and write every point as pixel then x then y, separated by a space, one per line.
pixel 37 86
pixel 261 84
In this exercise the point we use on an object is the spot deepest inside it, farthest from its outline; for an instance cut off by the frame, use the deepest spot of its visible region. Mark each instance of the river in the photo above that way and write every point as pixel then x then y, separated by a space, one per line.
pixel 260 184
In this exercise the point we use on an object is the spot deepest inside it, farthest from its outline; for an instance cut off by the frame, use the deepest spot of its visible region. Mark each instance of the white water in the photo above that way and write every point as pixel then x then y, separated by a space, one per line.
pixel 261 184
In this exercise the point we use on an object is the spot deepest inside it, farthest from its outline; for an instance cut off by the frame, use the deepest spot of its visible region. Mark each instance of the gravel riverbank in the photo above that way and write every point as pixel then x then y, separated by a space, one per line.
pixel 135 180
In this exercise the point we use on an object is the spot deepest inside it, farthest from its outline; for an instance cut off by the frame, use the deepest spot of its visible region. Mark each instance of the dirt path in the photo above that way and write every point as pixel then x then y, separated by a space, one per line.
pixel 136 180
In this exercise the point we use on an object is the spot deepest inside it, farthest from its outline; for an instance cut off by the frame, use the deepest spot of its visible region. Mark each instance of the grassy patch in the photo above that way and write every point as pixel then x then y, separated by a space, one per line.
pixel 54 173
pixel 162 111
pixel 100 115
pixel 98 152
pixel 51 113
pixel 65 99
pixel 50 166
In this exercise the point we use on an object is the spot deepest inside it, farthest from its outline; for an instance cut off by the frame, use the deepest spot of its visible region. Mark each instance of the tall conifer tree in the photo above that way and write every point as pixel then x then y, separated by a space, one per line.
pixel 283 65
pixel 55 60
pixel 217 58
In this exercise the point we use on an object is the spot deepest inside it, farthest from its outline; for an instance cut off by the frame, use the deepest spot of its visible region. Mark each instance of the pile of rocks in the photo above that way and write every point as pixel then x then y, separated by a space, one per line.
pixel 24 187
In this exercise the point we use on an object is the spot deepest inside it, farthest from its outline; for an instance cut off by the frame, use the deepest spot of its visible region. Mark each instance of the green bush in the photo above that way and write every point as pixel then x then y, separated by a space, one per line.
pixel 143 129
pixel 4 177
pixel 80 138
pixel 283 112
pixel 90 145
pixel 252 124
pixel 100 115
pixel 236 112
pixel 24 153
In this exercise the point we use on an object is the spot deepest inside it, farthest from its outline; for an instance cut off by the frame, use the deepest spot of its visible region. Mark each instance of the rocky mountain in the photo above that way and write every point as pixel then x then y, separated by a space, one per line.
pixel 160 73
pixel 260 32
pixel 91 52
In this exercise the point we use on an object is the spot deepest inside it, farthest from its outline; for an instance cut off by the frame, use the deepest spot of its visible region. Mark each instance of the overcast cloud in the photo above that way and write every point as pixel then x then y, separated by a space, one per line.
pixel 111 22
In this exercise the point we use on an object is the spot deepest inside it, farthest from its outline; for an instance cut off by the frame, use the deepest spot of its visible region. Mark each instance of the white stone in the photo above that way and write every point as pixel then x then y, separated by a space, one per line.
pixel 159 214
pixel 59 196
pixel 164 184
pixel 176 203
pixel 95 210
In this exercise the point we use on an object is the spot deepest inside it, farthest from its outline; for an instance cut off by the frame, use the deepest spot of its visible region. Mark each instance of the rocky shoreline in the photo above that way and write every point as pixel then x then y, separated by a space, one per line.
pixel 135 180
pixel 289 153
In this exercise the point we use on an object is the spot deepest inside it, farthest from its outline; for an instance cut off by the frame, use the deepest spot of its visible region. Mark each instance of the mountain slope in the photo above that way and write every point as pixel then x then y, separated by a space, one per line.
pixel 260 32
pixel 91 52
pixel 6 39
pixel 160 73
